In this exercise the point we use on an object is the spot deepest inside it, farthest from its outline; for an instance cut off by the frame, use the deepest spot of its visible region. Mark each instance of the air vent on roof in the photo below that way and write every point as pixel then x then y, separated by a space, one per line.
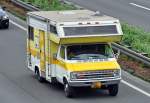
pixel 97 13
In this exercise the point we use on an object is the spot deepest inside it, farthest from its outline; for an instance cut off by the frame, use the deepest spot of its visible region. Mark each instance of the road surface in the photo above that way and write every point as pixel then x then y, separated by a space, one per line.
pixel 19 85
pixel 135 12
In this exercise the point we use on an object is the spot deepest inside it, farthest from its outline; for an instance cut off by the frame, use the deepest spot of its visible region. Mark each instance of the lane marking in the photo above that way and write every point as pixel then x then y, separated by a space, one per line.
pixel 21 27
pixel 136 88
pixel 124 82
pixel 140 6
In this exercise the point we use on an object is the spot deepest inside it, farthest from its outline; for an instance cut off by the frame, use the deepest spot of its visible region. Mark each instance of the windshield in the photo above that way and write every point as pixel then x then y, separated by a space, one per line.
pixel 87 52
pixel 90 30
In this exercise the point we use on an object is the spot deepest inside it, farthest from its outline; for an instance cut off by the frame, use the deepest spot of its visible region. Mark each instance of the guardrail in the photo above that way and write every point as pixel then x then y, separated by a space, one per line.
pixel 25 5
pixel 122 49
pixel 131 53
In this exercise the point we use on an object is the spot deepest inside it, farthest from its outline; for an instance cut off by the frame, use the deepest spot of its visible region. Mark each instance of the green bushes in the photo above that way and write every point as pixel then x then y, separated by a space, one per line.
pixel 50 4
pixel 136 38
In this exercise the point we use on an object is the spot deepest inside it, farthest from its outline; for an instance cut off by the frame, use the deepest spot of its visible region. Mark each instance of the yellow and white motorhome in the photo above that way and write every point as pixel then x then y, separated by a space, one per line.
pixel 74 48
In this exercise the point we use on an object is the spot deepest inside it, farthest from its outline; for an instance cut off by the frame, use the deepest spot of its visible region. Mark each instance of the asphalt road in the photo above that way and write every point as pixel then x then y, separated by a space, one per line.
pixel 134 12
pixel 19 85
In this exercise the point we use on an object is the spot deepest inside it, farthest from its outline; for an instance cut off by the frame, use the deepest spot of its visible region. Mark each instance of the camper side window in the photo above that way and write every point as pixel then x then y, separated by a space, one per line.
pixel 53 29
pixel 30 33
pixel 62 52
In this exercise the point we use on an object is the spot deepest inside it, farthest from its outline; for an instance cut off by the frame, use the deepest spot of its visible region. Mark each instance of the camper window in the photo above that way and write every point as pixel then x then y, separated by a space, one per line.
pixel 90 30
pixel 30 33
pixel 53 29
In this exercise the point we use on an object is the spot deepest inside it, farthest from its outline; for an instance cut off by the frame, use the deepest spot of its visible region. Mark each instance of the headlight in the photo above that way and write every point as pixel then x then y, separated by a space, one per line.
pixel 5 17
pixel 73 75
pixel 117 72
pixel 77 75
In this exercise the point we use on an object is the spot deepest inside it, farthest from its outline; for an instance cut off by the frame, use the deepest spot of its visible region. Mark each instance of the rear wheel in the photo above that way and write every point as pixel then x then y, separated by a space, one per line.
pixel 68 90
pixel 39 78
pixel 113 89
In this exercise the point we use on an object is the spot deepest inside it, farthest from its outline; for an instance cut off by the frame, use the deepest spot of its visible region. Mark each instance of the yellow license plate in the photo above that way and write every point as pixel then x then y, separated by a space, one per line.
pixel 96 85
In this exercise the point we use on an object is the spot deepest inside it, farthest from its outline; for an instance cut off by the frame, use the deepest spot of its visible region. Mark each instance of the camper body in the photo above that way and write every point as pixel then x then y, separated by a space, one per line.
pixel 74 48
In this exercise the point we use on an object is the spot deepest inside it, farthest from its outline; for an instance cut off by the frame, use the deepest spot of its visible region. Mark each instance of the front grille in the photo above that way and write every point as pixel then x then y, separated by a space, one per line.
pixel 96 74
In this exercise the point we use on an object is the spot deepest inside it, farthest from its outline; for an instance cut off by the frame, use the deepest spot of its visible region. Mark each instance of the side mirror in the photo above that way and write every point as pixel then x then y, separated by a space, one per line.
pixel 54 56
pixel 117 54
pixel 3 7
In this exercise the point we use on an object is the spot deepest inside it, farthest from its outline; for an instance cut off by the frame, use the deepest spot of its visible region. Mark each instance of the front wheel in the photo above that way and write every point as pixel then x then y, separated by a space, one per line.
pixel 68 90
pixel 113 89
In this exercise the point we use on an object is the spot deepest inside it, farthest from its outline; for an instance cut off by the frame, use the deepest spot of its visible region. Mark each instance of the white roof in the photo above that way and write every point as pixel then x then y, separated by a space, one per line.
pixel 71 16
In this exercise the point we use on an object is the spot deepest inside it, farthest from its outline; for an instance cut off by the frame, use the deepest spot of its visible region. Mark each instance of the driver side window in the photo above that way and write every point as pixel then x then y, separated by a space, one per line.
pixel 62 52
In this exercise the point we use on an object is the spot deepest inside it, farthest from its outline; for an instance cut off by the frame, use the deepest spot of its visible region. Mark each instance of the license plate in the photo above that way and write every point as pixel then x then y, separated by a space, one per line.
pixel 96 85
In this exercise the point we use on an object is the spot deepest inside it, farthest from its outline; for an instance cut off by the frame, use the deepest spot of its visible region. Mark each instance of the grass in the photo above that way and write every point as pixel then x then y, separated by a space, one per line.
pixel 136 37
pixel 50 4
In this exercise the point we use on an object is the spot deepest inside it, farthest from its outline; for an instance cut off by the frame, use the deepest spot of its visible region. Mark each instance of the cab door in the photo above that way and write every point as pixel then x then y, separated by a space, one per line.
pixel 42 50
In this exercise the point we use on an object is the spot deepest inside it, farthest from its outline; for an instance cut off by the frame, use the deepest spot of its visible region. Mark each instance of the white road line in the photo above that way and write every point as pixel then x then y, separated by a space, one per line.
pixel 140 6
pixel 21 27
pixel 124 82
pixel 136 88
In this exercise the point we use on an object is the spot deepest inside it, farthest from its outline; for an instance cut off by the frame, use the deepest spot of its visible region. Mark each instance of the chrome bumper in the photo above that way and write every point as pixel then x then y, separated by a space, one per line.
pixel 90 82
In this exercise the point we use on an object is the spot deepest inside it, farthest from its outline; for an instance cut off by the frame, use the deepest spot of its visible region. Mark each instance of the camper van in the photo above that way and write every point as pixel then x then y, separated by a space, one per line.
pixel 73 48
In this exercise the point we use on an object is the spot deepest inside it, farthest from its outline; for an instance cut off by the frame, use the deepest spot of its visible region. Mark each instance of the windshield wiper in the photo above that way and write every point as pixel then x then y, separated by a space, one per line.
pixel 76 58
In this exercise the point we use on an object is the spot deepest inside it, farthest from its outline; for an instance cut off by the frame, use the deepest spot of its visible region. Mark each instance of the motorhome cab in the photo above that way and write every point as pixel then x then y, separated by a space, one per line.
pixel 74 48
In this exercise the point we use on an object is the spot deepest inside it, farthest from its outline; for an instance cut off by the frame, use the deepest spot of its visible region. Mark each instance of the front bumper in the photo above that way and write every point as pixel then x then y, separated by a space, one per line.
pixel 89 83
pixel 4 22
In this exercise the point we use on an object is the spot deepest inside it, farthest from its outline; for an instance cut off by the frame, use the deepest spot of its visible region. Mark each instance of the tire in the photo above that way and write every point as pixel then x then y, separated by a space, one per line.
pixel 113 89
pixel 54 81
pixel 68 90
pixel 6 26
pixel 39 78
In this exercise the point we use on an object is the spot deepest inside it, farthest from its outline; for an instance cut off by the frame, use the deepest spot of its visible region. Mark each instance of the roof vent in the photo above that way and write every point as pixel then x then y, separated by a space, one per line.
pixel 97 13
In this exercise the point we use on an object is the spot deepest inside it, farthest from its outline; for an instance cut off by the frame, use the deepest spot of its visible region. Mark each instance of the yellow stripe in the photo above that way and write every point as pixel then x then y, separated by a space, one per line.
pixel 96 39
pixel 90 66
pixel 90 39
pixel 34 52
